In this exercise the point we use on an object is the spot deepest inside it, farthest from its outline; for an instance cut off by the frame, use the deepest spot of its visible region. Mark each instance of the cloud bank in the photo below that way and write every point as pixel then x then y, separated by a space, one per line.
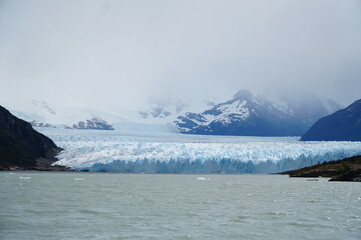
pixel 120 53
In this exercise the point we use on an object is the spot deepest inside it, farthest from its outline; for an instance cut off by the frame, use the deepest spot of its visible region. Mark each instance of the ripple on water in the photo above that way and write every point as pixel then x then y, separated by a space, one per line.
pixel 126 206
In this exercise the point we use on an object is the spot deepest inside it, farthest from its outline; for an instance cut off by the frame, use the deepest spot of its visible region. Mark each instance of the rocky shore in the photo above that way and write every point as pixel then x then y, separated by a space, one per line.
pixel 22 148
pixel 348 169
pixel 35 168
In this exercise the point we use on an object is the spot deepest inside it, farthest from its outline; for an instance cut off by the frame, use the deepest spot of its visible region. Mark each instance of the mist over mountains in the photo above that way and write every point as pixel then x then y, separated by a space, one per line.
pixel 243 114
pixel 273 113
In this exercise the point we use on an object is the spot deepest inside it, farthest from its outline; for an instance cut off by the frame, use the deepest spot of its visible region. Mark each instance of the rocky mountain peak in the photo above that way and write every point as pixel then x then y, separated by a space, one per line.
pixel 243 94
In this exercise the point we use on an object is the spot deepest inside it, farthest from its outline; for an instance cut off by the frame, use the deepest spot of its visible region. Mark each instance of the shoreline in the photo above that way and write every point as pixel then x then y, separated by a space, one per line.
pixel 344 170
pixel 56 168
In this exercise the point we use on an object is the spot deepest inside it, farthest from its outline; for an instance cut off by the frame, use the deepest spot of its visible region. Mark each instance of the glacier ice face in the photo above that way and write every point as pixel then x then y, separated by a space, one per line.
pixel 114 151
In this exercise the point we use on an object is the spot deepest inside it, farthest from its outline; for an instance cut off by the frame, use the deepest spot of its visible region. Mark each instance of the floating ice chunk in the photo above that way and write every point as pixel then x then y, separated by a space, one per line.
pixel 25 178
pixel 203 179
pixel 79 179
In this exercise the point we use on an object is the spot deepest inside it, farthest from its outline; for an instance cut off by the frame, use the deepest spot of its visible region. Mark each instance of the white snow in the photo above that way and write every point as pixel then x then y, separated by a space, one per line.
pixel 236 107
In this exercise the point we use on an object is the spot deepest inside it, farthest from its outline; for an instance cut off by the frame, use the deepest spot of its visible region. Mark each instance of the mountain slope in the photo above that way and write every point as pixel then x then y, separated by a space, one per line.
pixel 343 125
pixel 249 115
pixel 23 147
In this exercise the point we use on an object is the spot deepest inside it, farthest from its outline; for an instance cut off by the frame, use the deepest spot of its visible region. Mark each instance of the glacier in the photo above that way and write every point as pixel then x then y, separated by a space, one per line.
pixel 149 152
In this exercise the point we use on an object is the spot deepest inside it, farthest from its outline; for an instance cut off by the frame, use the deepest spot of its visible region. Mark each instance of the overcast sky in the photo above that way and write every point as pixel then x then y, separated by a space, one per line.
pixel 117 53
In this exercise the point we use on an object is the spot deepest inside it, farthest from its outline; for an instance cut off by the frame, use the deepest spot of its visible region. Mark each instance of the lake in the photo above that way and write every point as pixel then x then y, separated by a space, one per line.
pixel 71 205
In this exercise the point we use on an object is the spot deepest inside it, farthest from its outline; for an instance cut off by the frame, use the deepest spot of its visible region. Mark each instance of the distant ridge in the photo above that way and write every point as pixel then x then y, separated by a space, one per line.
pixel 343 125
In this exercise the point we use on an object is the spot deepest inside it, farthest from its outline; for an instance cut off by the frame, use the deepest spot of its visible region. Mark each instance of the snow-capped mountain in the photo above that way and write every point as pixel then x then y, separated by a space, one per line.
pixel 40 124
pixel 250 115
pixel 94 123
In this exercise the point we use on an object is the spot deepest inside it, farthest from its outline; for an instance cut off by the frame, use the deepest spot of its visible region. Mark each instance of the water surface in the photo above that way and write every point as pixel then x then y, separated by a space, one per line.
pixel 49 205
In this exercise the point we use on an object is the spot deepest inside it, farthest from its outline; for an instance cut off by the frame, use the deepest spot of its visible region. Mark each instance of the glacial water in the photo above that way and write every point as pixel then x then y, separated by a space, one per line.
pixel 50 205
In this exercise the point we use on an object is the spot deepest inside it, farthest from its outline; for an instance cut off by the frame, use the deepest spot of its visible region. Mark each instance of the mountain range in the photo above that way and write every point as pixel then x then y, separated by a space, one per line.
pixel 246 114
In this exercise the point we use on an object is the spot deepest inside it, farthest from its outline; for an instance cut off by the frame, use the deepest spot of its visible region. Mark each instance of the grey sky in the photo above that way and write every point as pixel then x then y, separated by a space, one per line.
pixel 117 53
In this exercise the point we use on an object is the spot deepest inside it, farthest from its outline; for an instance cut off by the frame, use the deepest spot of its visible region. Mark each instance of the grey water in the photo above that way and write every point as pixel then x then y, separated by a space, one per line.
pixel 51 205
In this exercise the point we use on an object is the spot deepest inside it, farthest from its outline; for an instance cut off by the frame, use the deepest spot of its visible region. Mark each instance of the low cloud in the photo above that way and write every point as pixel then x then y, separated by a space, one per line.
pixel 120 53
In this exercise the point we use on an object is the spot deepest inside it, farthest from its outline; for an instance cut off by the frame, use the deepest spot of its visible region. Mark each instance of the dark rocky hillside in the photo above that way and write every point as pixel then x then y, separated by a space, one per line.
pixel 343 125
pixel 348 169
pixel 23 148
